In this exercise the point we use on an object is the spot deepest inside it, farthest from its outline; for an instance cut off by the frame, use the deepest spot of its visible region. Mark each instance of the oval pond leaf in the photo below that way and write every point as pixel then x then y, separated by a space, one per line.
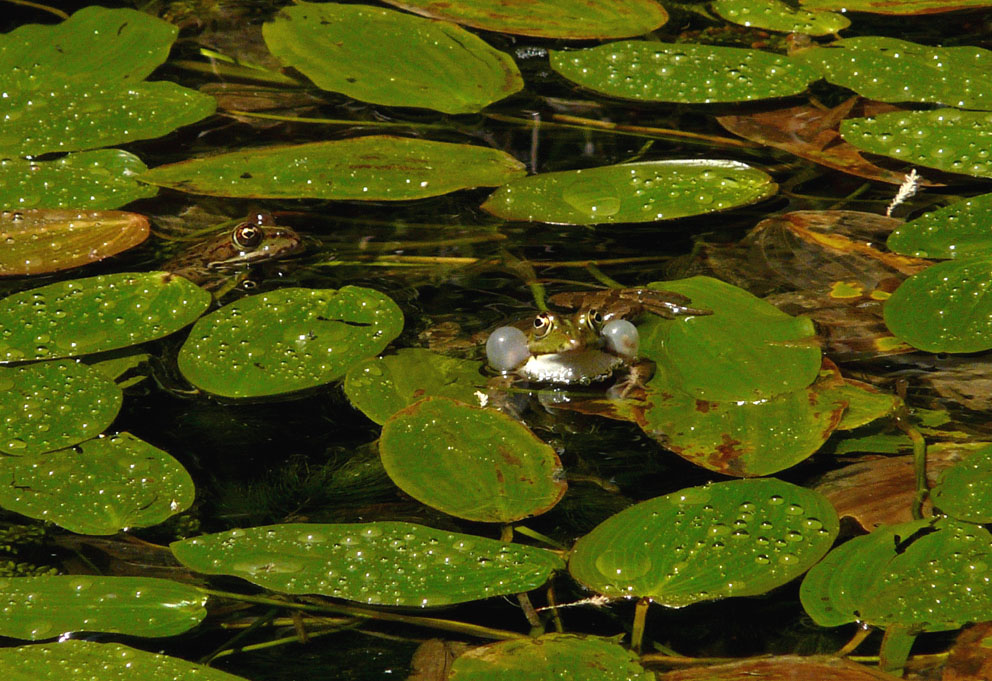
pixel 631 192
pixel 965 489
pixel 896 6
pixel 383 563
pixel 373 168
pixel 774 15
pixel 738 538
pixel 470 462
pixel 139 485
pixel 956 231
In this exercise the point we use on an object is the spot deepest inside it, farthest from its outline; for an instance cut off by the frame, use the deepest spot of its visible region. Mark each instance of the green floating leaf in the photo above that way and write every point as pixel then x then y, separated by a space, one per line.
pixel 925 575
pixel 631 192
pixel 960 230
pixel 472 463
pixel 865 404
pixel 99 179
pixel 965 489
pixel 774 15
pixel 738 538
pixel 52 405
pixel 421 63
pixel 374 168
pixel 945 308
pixel 287 340
pixel 893 70
pixel 690 74
pixel 41 241
pixel 139 485
pixel 76 85
pixel 552 656
pixel 746 350
pixel 382 563
pixel 91 661
pixel 896 6
pixel 947 139
pixel 95 314
pixel 380 387
pixel 561 19
pixel 44 607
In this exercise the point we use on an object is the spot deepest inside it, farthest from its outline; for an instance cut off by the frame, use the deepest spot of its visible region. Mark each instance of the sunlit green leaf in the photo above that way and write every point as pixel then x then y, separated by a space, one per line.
pixel 44 607
pixel 564 656
pixel 737 538
pixel 99 179
pixel 945 308
pixel 775 15
pixel 893 70
pixel 420 63
pixel 565 19
pixel 473 463
pixel 631 192
pixel 947 139
pixel 101 486
pixel 956 231
pixel 287 340
pixel 865 404
pixel 896 6
pixel 374 168
pixel 381 386
pixel 51 405
pixel 965 489
pixel 383 563
pixel 687 73
pixel 106 312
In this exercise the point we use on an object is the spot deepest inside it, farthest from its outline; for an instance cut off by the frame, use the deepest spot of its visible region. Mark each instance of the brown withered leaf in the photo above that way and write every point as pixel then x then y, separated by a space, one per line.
pixel 812 133
pixel 432 659
pixel 971 655
pixel 818 667
pixel 41 241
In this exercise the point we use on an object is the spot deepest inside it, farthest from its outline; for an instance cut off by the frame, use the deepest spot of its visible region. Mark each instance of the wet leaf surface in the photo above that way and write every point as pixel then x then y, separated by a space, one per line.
pixel 386 563
pixel 420 63
pixel 774 15
pixel 631 192
pixel 375 168
pixel 470 462
pixel 726 539
pixel 965 489
pixel 896 6
pixel 41 241
pixel 95 314
pixel 690 74
pixel 98 179
pixel 51 405
pixel 44 607
pixel 563 19
pixel 956 231
pixel 139 485
pixel 287 340
pixel 578 658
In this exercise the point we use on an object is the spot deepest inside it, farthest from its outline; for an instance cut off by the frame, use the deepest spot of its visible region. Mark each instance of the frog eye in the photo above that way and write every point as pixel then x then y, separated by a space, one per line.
pixel 543 323
pixel 247 236
pixel 593 319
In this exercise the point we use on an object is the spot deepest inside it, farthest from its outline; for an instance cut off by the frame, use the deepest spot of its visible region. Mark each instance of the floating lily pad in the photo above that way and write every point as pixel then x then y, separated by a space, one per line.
pixel 95 314
pixel 51 405
pixel 893 70
pixel 99 179
pixel 45 607
pixel 965 490
pixel 738 538
pixel 383 563
pixel 381 386
pixel 960 230
pixel 746 350
pixel 470 462
pixel 287 340
pixel 631 192
pixel 865 403
pixel 774 15
pixel 374 168
pixel 91 661
pixel 563 656
pixel 947 139
pixel 925 575
pixel 896 6
pixel 41 241
pixel 562 19
pixel 945 308
pixel 420 63
pixel 690 74
pixel 101 486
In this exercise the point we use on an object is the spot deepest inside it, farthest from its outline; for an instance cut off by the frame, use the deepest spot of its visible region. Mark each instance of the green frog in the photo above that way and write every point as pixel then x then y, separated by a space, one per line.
pixel 214 264
pixel 587 346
